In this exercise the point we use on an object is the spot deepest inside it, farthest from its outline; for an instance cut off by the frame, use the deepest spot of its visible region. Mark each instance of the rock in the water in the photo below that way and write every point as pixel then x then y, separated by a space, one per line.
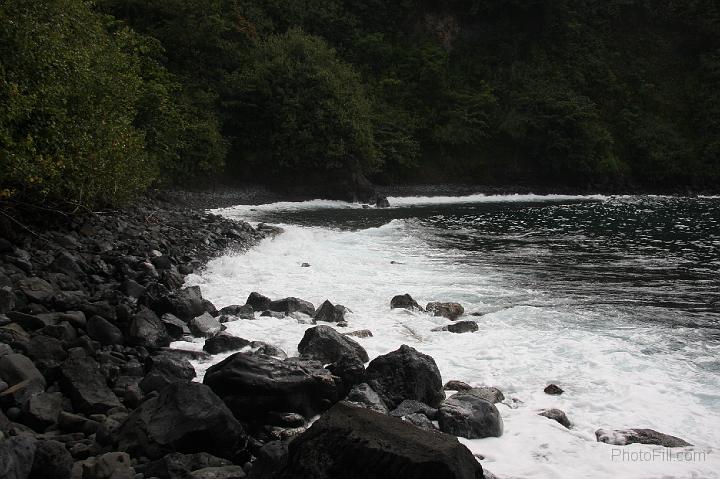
pixel 16 457
pixel 451 311
pixel 103 331
pixel 186 303
pixel 623 437
pixel 166 369
pixel 258 302
pixel 260 347
pixel 406 374
pixel 469 416
pixel 404 301
pixel 463 327
pixel 362 395
pixel 330 313
pixel 360 333
pixel 326 345
pixel 81 380
pixel 222 472
pixel 382 202
pixel 292 305
pixel 454 385
pixel 223 343
pixel 254 385
pixel 355 443
pixel 490 394
pixel 52 461
pixel 175 327
pixel 410 406
pixel 553 390
pixel 185 417
pixel 147 330
pixel 15 368
pixel 205 326
pixel 245 311
pixel 556 415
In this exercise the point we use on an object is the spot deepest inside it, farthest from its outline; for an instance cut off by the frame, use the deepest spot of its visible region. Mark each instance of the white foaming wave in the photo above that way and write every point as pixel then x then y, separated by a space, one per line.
pixel 609 378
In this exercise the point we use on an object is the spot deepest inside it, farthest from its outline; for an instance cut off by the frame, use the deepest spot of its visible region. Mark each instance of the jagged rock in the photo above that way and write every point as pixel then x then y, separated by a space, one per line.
pixel 184 417
pixel 18 394
pixel 164 370
pixel 258 302
pixel 205 326
pixel 420 420
pixel 77 423
pixel 410 406
pixel 405 374
pixel 175 327
pixel 462 327
pixel 254 385
pixel 362 395
pixel 272 314
pixel 454 385
pixel 103 331
pixel 47 352
pixel 133 289
pixel 52 461
pixel 245 311
pixel 222 472
pixel 15 368
pixel 361 333
pixel 556 415
pixel 382 202
pixel 260 347
pixel 330 313
pixel 37 290
pixel 404 301
pixel 7 299
pixel 325 344
pixel 186 303
pixel 147 330
pixel 490 394
pixel 292 305
pixel 16 457
pixel 623 437
pixel 112 465
pixel 42 410
pixel 350 370
pixel 353 442
pixel 224 342
pixel 80 379
pixel 469 416
pixel 553 390
pixel 451 311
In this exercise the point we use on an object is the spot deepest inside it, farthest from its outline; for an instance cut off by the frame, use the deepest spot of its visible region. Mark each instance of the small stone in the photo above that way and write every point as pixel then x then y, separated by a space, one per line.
pixel 556 415
pixel 553 390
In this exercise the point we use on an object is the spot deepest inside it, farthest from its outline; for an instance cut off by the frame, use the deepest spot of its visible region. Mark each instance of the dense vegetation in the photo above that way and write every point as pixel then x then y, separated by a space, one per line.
pixel 100 99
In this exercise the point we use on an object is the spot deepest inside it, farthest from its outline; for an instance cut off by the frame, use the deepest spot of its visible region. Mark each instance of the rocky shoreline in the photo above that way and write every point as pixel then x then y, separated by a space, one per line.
pixel 89 388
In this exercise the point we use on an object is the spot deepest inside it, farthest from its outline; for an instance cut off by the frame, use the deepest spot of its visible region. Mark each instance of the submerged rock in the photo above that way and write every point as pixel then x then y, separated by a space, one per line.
pixel 354 443
pixel 406 374
pixel 258 302
pixel 623 437
pixel 405 301
pixel 292 305
pixel 330 313
pixel 325 344
pixel 224 342
pixel 553 390
pixel 463 327
pixel 556 415
pixel 469 416
pixel 451 311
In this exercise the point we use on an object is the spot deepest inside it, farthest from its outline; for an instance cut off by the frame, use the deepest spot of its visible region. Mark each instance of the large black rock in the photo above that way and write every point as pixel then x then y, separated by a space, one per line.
pixel 468 415
pixel 405 301
pixel 258 302
pixel 103 331
pixel 224 342
pixel 166 369
pixel 356 443
pixel 405 374
pixel 292 305
pixel 330 313
pixel 253 385
pixel 147 330
pixel 327 345
pixel 185 417
pixel 81 380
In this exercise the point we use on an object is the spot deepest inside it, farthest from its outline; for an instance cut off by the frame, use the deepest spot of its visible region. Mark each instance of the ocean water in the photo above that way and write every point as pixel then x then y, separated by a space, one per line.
pixel 615 299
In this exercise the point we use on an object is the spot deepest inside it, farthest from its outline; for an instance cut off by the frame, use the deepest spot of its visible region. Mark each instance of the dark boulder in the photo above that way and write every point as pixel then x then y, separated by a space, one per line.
pixel 488 393
pixel 410 406
pixel 47 352
pixel 184 417
pixel 166 369
pixel 406 374
pixel 382 202
pixel 81 380
pixel 404 301
pixel 360 333
pixel 205 326
pixel 52 461
pixel 178 466
pixel 420 420
pixel 463 327
pixel 42 410
pixel 258 302
pixel 147 330
pixel 326 345
pixel 17 455
pixel 260 347
pixel 355 443
pixel 553 390
pixel 254 385
pixel 623 437
pixel 362 395
pixel 292 305
pixel 15 368
pixel 175 327
pixel 103 331
pixel 450 311
pixel 111 465
pixel 330 313
pixel 455 385
pixel 245 311
pixel 469 416
pixel 556 415
pixel 223 343
pixel 7 299
pixel 350 370
pixel 37 290
pixel 186 303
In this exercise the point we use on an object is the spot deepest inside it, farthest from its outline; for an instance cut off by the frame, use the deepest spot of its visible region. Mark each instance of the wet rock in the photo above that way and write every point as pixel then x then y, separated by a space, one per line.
pixel 222 472
pixel 553 390
pixel 454 385
pixel 254 385
pixel 410 406
pixel 224 342
pixel 330 313
pixel 406 374
pixel 186 303
pixel 272 314
pixel 16 457
pixel 451 311
pixel 184 417
pixel 166 369
pixel 260 347
pixel 420 420
pixel 354 442
pixel 80 379
pixel 175 327
pixel 15 368
pixel 361 333
pixel 469 416
pixel 258 302
pixel 488 393
pixel 42 410
pixel 325 344
pixel 405 301
pixel 362 395
pixel 103 331
pixel 462 327
pixel 245 311
pixel 205 326
pixel 52 461
pixel 623 437
pixel 147 330
pixel 556 415
pixel 350 370
pixel 292 305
